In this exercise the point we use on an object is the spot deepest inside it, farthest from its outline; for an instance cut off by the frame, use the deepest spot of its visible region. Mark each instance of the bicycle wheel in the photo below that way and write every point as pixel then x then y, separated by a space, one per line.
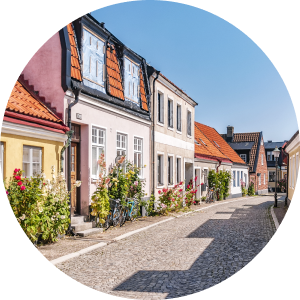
pixel 107 221
pixel 116 218
pixel 122 217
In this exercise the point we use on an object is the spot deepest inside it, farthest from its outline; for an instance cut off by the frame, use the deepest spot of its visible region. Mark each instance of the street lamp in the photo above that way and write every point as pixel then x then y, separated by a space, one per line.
pixel 276 153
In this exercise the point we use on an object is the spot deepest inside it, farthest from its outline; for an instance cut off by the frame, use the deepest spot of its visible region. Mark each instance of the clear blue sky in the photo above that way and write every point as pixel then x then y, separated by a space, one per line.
pixel 216 64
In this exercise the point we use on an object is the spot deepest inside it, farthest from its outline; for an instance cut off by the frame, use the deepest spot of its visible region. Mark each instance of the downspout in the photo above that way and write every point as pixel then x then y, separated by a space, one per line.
pixel 153 134
pixel 76 92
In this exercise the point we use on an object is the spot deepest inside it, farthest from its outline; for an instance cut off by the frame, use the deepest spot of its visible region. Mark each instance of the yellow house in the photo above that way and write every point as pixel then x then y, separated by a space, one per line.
pixel 292 148
pixel 32 136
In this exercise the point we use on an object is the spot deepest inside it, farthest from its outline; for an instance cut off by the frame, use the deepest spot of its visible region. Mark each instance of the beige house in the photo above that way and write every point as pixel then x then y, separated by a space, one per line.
pixel 173 114
pixel 292 148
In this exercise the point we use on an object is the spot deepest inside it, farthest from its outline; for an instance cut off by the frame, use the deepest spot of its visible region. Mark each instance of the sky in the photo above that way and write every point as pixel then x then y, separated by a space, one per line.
pixel 224 71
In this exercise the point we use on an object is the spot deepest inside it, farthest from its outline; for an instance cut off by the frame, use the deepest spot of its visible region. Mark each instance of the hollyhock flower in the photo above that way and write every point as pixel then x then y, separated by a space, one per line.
pixel 180 190
pixel 196 178
pixel 188 186
pixel 180 183
pixel 159 191
pixel 16 170
pixel 23 188
pixel 173 199
pixel 136 183
pixel 20 183
pixel 17 177
pixel 7 192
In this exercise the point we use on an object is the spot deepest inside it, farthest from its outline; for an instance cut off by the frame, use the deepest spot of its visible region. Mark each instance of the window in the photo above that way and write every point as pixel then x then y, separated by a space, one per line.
pixel 217 144
pixel 242 176
pixel 121 144
pixel 132 80
pixel 270 156
pixel 205 176
pixel 170 113
pixel 98 147
pixel 178 169
pixel 170 170
pixel 138 154
pixel 160 108
pixel 271 176
pixel 233 181
pixel 262 159
pixel 246 179
pixel 259 180
pixel 238 178
pixel 1 158
pixel 32 160
pixel 93 60
pixel 244 157
pixel 189 123
pixel 160 169
pixel 264 178
pixel 179 118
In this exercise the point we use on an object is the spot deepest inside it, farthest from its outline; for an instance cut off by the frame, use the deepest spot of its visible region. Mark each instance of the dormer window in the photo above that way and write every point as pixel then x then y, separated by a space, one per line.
pixel 93 60
pixel 131 80
pixel 216 144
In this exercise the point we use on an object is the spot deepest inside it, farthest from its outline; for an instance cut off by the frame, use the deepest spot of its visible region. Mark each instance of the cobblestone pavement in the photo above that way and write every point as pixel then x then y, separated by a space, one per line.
pixel 179 257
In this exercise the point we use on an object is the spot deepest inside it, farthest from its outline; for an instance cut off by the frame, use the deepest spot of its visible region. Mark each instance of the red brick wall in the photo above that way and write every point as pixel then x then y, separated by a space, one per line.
pixel 262 169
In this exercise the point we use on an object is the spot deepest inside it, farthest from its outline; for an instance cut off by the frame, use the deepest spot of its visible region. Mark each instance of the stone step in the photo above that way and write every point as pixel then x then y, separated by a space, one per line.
pixel 78 219
pixel 88 232
pixel 82 226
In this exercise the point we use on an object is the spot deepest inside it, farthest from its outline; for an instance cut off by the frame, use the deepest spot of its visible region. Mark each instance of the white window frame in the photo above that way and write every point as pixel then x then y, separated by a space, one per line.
pixel 179 131
pixel 160 108
pixel 30 162
pixel 138 152
pixel 259 180
pixel 2 159
pixel 238 178
pixel 271 155
pixel 99 147
pixel 245 155
pixel 120 147
pixel 161 169
pixel 262 159
pixel 171 171
pixel 178 169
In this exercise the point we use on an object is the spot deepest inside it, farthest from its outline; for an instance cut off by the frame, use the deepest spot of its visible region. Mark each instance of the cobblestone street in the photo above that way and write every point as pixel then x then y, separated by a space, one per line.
pixel 179 257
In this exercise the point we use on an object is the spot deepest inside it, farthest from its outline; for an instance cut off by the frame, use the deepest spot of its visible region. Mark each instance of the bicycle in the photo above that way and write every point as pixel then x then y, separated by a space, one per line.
pixel 129 212
pixel 113 217
pixel 210 197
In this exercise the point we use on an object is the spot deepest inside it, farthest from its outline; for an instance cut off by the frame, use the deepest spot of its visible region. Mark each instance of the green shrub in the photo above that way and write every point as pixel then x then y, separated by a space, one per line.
pixel 251 189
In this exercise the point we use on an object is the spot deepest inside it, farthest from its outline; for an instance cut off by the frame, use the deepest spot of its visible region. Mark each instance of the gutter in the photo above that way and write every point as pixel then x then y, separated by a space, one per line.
pixel 153 134
pixel 76 92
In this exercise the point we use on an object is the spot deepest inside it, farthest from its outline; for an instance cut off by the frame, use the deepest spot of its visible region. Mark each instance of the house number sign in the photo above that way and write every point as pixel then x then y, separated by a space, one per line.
pixel 79 116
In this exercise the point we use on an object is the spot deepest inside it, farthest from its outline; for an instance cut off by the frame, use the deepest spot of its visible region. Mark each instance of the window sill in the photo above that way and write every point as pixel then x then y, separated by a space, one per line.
pixel 170 128
pixel 189 136
pixel 179 132
pixel 160 124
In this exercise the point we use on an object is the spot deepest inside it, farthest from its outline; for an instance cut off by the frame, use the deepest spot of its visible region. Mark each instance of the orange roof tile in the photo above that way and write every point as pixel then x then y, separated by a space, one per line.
pixel 21 101
pixel 75 64
pixel 219 143
pixel 113 74
pixel 143 92
pixel 205 146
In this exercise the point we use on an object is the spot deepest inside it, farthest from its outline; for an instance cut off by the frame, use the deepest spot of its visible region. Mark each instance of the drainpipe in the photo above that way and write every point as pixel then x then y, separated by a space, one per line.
pixel 76 92
pixel 153 134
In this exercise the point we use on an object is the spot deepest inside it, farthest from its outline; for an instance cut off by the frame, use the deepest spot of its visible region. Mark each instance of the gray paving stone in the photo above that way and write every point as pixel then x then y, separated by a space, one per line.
pixel 179 257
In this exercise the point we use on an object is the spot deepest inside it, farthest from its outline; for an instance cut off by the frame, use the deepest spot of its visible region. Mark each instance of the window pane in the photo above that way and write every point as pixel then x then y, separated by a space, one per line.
pixel 26 154
pixel 94 161
pixel 135 159
pixel 135 144
pixel 26 169
pixel 140 163
pixel 94 135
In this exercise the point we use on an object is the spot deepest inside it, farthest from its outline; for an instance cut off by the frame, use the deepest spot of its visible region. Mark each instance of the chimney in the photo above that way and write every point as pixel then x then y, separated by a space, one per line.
pixel 230 130
pixel 270 141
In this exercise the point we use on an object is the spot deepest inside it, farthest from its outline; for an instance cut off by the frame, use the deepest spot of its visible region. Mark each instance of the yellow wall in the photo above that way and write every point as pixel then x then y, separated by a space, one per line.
pixel 13 153
pixel 292 172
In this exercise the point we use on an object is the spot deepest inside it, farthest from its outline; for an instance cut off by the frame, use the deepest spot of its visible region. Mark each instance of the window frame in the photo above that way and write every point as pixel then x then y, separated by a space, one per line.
pixel 98 146
pixel 170 167
pixel 170 113
pixel 271 176
pixel 30 160
pixel 187 123
pixel 245 160
pixel 138 152
pixel 262 159
pixel 178 169
pixel 238 179
pixel 234 178
pixel 179 120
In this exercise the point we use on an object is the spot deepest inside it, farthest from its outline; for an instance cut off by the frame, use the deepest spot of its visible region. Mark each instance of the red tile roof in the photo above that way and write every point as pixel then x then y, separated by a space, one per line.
pixel 75 64
pixel 115 86
pixel 218 143
pixel 143 92
pixel 22 104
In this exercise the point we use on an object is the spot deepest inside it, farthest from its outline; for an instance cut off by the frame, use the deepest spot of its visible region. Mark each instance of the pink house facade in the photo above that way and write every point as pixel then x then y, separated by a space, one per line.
pixel 110 112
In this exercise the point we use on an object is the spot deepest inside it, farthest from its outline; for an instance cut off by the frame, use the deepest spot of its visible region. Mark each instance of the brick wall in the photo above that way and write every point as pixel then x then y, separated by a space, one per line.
pixel 262 169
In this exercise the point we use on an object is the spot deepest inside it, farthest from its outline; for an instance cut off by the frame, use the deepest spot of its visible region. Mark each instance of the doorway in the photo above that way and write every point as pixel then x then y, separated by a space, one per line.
pixel 75 169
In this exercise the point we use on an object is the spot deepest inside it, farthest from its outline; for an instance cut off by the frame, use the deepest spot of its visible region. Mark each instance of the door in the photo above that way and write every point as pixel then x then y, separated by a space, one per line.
pixel 73 177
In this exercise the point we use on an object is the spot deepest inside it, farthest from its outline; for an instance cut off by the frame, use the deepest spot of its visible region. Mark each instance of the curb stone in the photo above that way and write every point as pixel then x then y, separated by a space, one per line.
pixel 274 217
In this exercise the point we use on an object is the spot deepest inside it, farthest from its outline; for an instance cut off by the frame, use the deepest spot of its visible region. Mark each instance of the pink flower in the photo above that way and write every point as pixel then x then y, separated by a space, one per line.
pixel 173 199
pixel 136 183
pixel 202 183
pixel 196 178
pixel 180 183
pixel 159 191
pixel 7 192
pixel 16 170
pixel 180 190
pixel 188 186
pixel 17 177
pixel 23 188
pixel 20 183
